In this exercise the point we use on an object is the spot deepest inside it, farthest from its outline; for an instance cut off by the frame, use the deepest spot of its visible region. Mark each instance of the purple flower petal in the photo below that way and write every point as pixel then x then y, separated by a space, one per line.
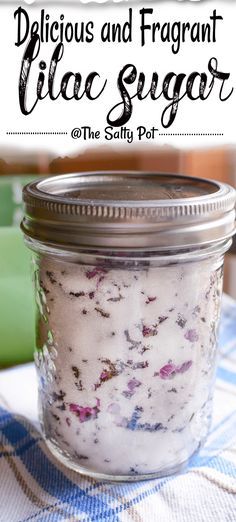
pixel 85 413
pixel 90 274
pixel 113 408
pixel 184 367
pixel 105 375
pixel 170 370
pixel 150 300
pixel 191 335
pixel 148 332
pixel 121 422
pixel 133 383
pixel 167 371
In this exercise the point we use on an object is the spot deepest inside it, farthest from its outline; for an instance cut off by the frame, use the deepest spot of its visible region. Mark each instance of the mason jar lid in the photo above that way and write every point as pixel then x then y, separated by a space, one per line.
pixel 128 210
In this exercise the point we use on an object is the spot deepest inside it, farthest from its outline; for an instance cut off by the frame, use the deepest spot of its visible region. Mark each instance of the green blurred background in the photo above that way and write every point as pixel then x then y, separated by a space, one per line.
pixel 16 293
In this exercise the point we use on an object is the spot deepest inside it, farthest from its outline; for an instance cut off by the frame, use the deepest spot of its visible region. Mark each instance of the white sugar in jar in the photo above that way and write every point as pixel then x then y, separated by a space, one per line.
pixel 128 274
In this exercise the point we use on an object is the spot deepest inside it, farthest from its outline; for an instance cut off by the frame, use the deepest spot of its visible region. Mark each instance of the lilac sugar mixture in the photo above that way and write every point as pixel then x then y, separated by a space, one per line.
pixel 126 359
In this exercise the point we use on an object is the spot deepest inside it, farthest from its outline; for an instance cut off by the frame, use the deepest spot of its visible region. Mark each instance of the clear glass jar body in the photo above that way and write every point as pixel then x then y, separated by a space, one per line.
pixel 126 354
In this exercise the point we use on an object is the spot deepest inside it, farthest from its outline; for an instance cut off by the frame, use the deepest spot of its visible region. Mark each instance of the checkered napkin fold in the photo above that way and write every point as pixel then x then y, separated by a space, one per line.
pixel 35 487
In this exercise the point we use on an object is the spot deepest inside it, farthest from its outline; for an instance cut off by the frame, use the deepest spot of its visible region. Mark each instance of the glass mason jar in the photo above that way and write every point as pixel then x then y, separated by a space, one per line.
pixel 128 274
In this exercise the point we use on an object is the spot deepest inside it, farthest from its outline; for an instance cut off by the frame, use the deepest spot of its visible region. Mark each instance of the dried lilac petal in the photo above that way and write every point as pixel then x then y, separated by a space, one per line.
pixel 144 349
pixel 77 294
pixel 191 335
pixel 134 344
pixel 133 383
pixel 132 422
pixel 51 277
pixel 170 370
pixel 58 396
pixel 113 408
pixel 121 422
pixel 150 300
pixel 85 413
pixel 102 312
pixel 162 318
pixel 140 365
pixel 106 375
pixel 181 321
pixel 172 390
pixel 167 371
pixel 90 274
pixel 158 426
pixel 127 394
pixel 115 299
pixel 149 332
pixel 184 367
pixel 79 385
pixel 146 331
pixel 196 311
pixel 76 371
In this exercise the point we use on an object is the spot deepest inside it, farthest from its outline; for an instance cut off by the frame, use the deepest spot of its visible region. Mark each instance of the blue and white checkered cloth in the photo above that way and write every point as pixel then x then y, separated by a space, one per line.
pixel 35 487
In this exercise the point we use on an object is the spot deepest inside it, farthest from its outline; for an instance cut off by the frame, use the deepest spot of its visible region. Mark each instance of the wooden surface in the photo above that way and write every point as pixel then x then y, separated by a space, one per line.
pixel 215 163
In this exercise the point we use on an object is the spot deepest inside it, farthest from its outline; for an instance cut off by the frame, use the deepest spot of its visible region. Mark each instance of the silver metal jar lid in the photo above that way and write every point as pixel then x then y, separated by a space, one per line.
pixel 128 210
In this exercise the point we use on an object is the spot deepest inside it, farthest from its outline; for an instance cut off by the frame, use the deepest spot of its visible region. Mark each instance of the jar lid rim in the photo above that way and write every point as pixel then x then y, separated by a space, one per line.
pixel 52 187
pixel 112 206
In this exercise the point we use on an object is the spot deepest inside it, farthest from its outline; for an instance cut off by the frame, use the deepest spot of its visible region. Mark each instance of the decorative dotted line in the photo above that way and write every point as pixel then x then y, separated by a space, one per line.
pixel 160 133
pixel 36 133
pixel 191 134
